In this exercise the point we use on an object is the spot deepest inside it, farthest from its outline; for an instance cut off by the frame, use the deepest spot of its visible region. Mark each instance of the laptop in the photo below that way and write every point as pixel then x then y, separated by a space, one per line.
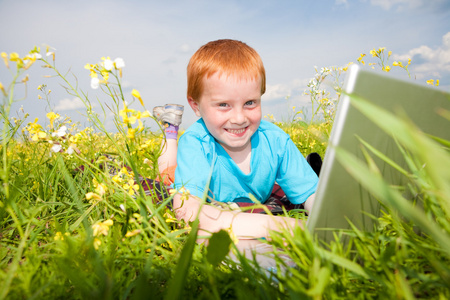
pixel 339 197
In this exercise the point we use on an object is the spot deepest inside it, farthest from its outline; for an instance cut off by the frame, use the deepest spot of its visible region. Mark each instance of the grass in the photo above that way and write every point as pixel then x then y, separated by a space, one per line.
pixel 81 233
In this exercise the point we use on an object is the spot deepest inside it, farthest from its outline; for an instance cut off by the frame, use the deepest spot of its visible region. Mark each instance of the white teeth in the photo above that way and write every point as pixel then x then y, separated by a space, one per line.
pixel 236 131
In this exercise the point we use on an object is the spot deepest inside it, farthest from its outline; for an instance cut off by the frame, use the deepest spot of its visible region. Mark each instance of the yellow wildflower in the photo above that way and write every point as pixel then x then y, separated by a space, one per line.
pixel 102 227
pixel 185 193
pixel 131 133
pixel 360 59
pixel 35 131
pixel 145 114
pixel 133 233
pixel 137 217
pixel 59 236
pixel 26 78
pixel 387 69
pixel 431 82
pixel 117 179
pixel 14 56
pixel 93 196
pixel 52 117
pixel 397 64
pixel 39 135
pixel 31 58
pixel 170 218
pixel 136 94
pixel 346 67
pixel 140 126
pixel 132 119
pixel 100 188
pixel 105 75
pixel 5 59
pixel 97 243
pixel 124 114
pixel 3 89
pixel 91 68
pixel 131 187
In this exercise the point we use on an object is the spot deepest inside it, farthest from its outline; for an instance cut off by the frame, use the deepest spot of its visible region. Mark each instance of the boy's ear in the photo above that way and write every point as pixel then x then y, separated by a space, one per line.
pixel 195 106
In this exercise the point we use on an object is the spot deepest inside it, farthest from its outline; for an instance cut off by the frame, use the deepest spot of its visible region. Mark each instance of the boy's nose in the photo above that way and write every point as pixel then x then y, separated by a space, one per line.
pixel 238 117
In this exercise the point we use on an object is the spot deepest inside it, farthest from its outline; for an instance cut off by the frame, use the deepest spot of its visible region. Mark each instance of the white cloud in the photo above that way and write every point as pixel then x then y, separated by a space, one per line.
pixel 276 91
pixel 67 104
pixel 292 90
pixel 401 4
pixel 435 62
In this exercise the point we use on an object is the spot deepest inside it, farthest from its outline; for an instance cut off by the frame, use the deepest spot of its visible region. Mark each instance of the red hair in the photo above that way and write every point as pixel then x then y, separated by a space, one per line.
pixel 224 56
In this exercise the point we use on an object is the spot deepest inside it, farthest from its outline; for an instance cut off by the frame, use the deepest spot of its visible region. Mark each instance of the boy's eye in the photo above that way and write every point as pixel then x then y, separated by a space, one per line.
pixel 251 102
pixel 223 104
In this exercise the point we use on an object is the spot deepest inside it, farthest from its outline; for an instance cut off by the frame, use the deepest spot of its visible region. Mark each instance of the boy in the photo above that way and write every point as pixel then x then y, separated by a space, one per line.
pixel 226 79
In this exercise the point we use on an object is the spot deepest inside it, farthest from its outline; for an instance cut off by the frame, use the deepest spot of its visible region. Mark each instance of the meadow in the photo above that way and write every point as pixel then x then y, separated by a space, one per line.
pixel 76 224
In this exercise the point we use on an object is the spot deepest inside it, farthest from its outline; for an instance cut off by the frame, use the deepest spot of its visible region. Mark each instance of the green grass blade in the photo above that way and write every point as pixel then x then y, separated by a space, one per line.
pixel 375 184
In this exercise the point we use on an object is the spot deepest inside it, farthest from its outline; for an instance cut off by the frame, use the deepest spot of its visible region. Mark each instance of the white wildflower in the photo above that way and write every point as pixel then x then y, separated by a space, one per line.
pixel 95 83
pixel 108 64
pixel 56 148
pixel 119 63
pixel 70 150
pixel 61 132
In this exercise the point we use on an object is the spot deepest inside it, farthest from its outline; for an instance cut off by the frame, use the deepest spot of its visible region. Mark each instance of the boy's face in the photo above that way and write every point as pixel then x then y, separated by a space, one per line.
pixel 231 110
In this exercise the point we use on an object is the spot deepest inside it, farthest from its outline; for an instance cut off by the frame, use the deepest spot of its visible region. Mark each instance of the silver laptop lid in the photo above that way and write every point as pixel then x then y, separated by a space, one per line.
pixel 339 198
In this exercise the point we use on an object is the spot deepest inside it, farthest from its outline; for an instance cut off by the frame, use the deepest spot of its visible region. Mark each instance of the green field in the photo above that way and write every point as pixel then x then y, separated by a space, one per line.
pixel 75 225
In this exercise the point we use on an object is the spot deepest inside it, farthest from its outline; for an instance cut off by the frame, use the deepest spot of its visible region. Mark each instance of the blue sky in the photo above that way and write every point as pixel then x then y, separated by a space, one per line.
pixel 157 38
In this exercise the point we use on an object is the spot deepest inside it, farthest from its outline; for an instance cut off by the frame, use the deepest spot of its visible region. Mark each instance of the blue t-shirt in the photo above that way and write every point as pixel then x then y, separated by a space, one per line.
pixel 274 158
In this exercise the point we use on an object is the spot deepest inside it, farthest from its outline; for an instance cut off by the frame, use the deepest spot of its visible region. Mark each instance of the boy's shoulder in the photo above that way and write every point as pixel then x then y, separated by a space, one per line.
pixel 197 129
pixel 197 133
pixel 272 131
pixel 270 127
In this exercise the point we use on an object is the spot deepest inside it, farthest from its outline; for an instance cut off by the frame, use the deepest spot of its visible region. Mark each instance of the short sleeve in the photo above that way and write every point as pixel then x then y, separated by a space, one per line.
pixel 193 164
pixel 295 176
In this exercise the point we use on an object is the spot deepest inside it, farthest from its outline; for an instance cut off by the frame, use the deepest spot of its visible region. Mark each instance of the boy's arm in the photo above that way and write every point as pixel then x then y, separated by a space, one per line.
pixel 243 225
pixel 309 203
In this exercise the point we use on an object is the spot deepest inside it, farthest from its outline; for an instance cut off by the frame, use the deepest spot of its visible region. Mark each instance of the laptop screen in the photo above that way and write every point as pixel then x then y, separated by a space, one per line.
pixel 339 197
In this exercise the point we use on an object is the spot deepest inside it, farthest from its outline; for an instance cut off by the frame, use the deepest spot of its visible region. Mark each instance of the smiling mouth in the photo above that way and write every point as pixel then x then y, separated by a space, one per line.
pixel 237 131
